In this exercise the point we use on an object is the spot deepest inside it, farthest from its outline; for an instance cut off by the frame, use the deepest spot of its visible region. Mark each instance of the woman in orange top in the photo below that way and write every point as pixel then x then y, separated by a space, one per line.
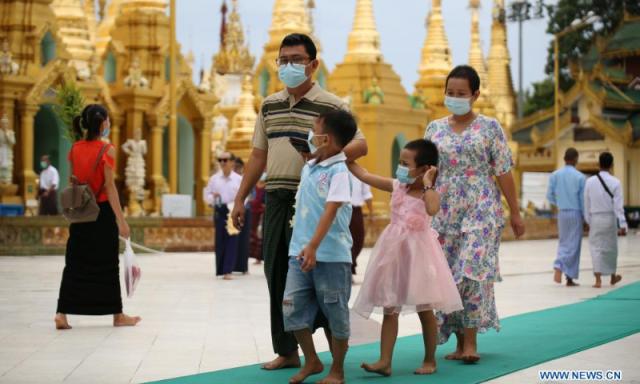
pixel 91 279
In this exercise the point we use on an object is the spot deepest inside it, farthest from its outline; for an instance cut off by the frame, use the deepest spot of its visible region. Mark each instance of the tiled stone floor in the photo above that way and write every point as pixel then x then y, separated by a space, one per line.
pixel 193 322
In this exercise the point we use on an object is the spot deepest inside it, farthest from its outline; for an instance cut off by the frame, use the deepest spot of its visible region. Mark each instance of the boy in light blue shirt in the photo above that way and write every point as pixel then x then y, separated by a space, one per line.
pixel 319 276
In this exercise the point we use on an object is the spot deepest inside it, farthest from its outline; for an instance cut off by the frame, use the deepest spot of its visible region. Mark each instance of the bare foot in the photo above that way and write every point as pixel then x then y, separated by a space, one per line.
pixel 457 355
pixel 380 367
pixel 571 283
pixel 470 355
pixel 615 279
pixel 597 284
pixel 280 362
pixel 428 367
pixel 257 262
pixel 122 320
pixel 227 277
pixel 310 368
pixel 333 378
pixel 61 321
pixel 557 275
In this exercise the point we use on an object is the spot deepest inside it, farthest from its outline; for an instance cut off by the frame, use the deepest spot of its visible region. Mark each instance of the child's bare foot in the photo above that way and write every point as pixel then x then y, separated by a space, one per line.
pixel 598 284
pixel 309 368
pixel 61 321
pixel 280 362
pixel 122 320
pixel 428 367
pixel 615 279
pixel 470 355
pixel 571 283
pixel 334 377
pixel 380 367
pixel 557 275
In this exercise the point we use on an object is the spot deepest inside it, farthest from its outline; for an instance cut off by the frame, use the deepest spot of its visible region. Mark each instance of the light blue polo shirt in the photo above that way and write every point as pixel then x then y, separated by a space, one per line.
pixel 327 181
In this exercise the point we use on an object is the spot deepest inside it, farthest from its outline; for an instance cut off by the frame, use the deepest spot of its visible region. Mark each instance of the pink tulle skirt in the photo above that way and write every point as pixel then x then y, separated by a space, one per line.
pixel 407 272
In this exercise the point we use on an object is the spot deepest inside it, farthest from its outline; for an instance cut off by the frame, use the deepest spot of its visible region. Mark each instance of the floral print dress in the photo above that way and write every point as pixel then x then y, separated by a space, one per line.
pixel 470 220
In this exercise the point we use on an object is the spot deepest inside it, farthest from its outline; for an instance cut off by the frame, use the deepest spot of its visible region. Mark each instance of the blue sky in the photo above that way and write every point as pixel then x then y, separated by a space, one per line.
pixel 401 24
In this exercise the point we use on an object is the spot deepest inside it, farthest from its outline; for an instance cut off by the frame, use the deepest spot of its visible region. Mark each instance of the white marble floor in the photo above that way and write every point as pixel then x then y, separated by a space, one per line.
pixel 193 322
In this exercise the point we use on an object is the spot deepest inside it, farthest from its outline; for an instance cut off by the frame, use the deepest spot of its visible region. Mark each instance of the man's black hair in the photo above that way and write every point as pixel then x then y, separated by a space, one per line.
pixel 296 39
pixel 571 154
pixel 605 160
pixel 426 152
pixel 465 72
pixel 340 125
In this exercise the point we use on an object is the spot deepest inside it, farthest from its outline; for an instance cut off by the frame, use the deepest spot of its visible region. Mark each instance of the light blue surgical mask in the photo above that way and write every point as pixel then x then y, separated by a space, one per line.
pixel 402 174
pixel 292 75
pixel 457 105
pixel 106 132
pixel 312 147
pixel 44 165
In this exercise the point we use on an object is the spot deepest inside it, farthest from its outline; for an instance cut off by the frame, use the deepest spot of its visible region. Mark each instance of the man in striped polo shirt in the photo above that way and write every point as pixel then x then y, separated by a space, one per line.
pixel 288 113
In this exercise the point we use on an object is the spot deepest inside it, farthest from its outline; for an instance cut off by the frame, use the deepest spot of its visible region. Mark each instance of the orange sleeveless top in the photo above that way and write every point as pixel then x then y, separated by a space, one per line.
pixel 83 156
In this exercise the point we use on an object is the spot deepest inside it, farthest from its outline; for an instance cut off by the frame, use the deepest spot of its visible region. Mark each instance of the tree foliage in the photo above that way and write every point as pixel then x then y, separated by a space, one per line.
pixel 574 45
pixel 69 105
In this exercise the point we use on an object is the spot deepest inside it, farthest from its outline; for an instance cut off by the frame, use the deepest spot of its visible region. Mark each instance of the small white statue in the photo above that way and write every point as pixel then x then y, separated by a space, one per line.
pixel 135 78
pixel 7 141
pixel 136 149
pixel 7 65
pixel 83 73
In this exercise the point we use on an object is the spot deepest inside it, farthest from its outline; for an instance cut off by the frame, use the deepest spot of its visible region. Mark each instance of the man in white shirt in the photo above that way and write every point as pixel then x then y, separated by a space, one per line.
pixel 221 190
pixel 604 212
pixel 49 181
pixel 360 194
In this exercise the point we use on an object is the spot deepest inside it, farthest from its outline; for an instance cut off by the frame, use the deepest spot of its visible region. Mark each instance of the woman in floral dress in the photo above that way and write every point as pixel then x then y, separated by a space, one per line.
pixel 475 160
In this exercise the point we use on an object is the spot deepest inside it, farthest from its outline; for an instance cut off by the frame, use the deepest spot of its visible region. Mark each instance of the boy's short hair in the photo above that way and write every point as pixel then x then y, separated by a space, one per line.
pixel 340 125
pixel 426 152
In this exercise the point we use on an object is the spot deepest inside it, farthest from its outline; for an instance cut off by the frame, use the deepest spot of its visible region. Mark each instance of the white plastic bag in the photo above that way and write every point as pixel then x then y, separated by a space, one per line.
pixel 132 270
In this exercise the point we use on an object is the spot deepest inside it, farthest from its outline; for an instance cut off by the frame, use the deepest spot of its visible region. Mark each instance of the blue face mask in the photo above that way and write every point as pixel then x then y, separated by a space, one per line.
pixel 292 75
pixel 457 105
pixel 402 174
pixel 107 130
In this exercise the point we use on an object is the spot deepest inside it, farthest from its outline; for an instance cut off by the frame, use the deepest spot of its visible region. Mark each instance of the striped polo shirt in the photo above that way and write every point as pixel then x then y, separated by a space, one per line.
pixel 279 119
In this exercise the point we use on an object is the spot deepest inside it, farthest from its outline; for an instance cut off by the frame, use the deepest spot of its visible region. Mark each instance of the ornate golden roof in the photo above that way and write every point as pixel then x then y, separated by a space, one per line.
pixel 73 29
pixel 476 60
pixel 364 39
pixel 234 55
pixel 499 71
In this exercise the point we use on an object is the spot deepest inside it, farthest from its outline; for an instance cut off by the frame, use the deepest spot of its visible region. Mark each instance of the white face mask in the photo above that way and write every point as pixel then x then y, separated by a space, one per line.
pixel 457 105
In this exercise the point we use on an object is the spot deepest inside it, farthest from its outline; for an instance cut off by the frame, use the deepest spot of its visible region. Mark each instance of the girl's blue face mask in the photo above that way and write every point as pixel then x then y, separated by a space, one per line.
pixel 402 174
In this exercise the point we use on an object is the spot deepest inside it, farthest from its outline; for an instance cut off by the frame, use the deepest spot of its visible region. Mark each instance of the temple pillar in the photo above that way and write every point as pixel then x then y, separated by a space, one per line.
pixel 203 161
pixel 27 177
pixel 156 182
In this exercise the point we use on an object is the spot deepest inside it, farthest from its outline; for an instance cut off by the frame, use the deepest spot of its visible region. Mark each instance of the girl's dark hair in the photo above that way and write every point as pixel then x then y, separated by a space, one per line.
pixel 426 152
pixel 87 124
pixel 465 72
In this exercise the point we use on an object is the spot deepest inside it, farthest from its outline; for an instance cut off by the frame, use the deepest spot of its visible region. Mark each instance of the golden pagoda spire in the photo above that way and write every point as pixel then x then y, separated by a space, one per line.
pixel 74 31
pixel 243 122
pixel 436 61
pixel 476 60
pixel 234 55
pixel 499 74
pixel 364 39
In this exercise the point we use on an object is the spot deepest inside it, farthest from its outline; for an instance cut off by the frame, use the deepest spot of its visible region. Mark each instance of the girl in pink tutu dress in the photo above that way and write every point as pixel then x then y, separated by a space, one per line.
pixel 407 271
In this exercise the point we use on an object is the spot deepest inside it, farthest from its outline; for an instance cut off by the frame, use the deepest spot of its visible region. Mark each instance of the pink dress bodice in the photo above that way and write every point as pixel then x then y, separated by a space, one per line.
pixel 407 211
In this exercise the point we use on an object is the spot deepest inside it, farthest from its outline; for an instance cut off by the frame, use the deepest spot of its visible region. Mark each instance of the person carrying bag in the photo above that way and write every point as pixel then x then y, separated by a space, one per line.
pixel 91 277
